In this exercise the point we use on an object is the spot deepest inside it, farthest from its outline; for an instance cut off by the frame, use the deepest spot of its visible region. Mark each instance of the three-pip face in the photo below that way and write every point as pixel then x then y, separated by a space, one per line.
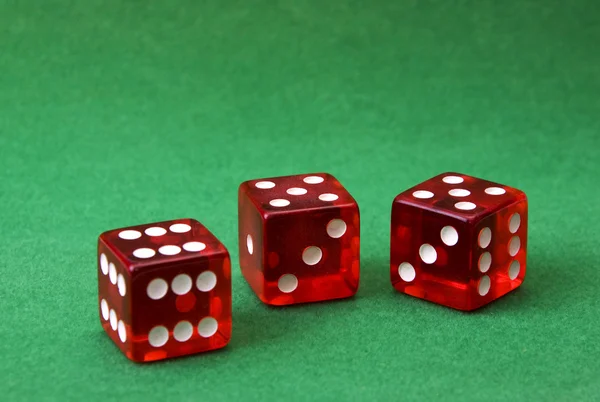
pixel 299 238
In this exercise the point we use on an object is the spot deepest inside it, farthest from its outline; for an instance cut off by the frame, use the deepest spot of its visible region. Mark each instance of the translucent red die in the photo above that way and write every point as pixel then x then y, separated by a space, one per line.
pixel 299 238
pixel 164 289
pixel 459 241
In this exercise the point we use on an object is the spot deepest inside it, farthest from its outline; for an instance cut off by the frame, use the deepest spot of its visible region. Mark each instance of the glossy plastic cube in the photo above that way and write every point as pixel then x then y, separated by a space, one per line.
pixel 459 241
pixel 299 238
pixel 164 289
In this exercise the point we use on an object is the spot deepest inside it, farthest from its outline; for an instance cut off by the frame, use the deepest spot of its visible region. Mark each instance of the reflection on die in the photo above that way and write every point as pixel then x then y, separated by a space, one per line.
pixel 164 289
pixel 299 238
pixel 458 240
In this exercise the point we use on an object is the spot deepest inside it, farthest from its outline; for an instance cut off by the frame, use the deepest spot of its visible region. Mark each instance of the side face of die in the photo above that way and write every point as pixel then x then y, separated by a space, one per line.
pixel 299 239
pixel 458 241
pixel 177 289
pixel 114 296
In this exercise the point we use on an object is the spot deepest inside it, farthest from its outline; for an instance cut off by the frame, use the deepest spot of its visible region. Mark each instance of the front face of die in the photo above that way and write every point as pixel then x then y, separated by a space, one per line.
pixel 177 292
pixel 299 239
pixel 430 255
pixel 458 241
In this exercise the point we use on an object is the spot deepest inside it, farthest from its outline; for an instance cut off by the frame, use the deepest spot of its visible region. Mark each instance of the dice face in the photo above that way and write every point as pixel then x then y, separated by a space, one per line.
pixel 299 238
pixel 164 289
pixel 458 240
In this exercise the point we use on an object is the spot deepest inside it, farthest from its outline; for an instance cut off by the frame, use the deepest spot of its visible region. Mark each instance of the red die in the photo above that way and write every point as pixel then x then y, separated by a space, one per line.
pixel 299 239
pixel 164 289
pixel 459 241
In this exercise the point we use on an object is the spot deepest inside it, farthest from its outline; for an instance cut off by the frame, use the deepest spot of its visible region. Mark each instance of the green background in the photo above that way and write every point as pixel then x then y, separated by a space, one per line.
pixel 114 113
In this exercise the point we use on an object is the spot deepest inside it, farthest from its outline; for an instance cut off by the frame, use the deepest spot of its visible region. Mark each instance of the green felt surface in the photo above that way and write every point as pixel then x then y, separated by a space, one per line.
pixel 115 113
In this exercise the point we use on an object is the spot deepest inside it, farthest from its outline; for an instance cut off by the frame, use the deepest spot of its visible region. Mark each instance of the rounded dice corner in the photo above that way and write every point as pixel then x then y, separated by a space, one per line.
pixel 400 199
pixel 466 309
pixel 138 360
pixel 104 238
pixel 325 175
pixel 521 196
pixel 243 187
pixel 275 302
pixel 190 220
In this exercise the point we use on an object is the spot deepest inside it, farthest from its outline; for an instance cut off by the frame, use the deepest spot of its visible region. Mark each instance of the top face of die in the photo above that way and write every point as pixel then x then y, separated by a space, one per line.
pixel 162 242
pixel 461 196
pixel 297 192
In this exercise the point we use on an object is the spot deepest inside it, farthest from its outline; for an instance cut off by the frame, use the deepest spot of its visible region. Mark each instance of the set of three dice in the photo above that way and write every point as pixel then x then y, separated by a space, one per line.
pixel 165 288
